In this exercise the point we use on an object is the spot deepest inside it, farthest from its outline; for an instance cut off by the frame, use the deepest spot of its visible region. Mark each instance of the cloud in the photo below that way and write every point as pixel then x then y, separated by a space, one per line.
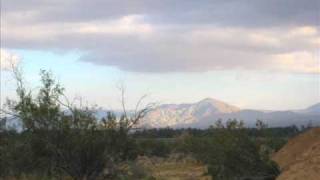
pixel 301 62
pixel 8 60
pixel 125 25
pixel 225 12
pixel 171 36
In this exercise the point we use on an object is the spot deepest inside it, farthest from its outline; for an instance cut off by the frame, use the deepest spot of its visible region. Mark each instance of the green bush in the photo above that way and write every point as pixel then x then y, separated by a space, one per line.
pixel 61 142
pixel 229 153
pixel 154 147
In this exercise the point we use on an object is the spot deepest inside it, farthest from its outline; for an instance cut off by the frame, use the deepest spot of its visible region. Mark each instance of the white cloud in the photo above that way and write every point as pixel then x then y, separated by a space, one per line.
pixel 131 24
pixel 126 25
pixel 133 44
pixel 300 62
pixel 151 37
pixel 8 60
pixel 304 31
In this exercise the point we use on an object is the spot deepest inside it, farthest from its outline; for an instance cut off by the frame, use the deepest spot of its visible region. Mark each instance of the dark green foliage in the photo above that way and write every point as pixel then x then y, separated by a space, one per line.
pixel 154 147
pixel 58 142
pixel 59 139
pixel 230 153
pixel 277 132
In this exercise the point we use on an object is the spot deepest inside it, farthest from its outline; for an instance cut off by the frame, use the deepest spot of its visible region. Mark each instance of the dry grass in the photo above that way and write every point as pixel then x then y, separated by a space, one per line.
pixel 175 168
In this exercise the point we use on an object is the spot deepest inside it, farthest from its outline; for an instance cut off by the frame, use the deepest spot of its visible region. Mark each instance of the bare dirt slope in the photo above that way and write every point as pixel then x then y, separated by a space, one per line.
pixel 300 157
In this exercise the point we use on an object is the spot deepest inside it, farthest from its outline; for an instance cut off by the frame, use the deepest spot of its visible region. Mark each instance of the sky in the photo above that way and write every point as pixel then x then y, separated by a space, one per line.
pixel 250 53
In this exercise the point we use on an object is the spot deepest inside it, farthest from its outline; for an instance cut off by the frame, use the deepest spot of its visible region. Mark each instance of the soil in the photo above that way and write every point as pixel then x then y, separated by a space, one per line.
pixel 300 157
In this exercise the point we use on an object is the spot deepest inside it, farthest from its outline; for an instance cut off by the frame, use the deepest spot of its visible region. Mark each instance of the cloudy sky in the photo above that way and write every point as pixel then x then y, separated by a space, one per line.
pixel 261 54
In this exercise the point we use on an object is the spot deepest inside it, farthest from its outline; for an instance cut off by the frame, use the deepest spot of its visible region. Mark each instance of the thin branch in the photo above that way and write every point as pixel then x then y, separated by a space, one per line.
pixel 122 90
pixel 139 103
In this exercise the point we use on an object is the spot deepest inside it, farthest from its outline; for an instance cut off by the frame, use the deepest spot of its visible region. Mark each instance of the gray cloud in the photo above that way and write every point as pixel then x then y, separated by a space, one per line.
pixel 224 12
pixel 169 36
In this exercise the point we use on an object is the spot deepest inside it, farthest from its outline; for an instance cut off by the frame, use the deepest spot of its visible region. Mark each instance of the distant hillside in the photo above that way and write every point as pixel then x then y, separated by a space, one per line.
pixel 300 157
pixel 315 109
pixel 184 114
pixel 206 112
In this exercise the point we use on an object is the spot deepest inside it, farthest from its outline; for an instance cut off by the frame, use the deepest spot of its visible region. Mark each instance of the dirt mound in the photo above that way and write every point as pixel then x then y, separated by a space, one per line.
pixel 300 157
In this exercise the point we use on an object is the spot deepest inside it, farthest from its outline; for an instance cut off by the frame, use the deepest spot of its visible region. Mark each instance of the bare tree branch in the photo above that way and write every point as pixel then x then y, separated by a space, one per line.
pixel 122 91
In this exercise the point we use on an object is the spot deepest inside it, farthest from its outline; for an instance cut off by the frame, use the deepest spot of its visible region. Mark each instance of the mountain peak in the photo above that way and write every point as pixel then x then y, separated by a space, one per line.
pixel 217 106
pixel 209 100
pixel 205 112
pixel 317 105
pixel 314 108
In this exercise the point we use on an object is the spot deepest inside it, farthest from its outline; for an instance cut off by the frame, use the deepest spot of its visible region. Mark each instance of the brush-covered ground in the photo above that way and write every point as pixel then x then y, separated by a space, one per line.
pixel 175 167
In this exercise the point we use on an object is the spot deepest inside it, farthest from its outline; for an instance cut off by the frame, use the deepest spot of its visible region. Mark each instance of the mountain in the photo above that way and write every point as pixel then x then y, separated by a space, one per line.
pixel 181 114
pixel 315 109
pixel 206 112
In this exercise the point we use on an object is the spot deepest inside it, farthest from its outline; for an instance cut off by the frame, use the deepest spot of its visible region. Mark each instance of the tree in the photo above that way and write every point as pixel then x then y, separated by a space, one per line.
pixel 260 125
pixel 61 138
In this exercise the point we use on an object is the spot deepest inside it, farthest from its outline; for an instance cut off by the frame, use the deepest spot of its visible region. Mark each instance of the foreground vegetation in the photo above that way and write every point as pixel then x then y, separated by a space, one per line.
pixel 61 140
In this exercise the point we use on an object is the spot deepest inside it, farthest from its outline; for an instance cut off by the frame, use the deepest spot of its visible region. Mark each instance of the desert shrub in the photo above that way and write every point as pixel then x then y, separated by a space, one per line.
pixel 154 147
pixel 59 139
pixel 229 153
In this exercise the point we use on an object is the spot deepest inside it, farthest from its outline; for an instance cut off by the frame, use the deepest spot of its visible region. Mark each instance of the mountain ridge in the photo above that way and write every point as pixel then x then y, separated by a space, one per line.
pixel 204 113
